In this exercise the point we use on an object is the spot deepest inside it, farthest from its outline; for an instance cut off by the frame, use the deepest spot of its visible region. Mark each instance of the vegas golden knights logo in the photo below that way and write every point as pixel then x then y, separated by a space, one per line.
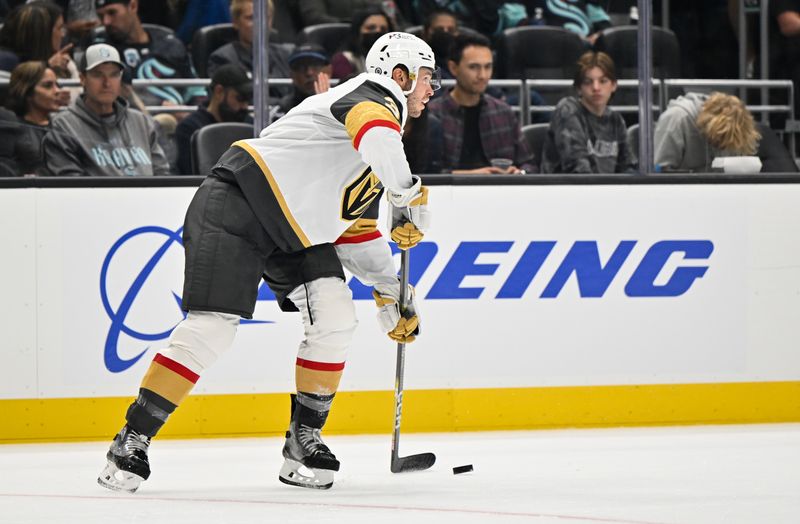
pixel 359 194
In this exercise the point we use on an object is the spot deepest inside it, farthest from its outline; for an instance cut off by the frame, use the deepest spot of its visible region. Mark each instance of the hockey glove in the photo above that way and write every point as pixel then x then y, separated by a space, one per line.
pixel 400 328
pixel 409 215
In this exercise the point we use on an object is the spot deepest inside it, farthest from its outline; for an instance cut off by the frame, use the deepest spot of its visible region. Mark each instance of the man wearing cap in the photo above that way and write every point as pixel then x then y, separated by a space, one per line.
pixel 99 135
pixel 150 53
pixel 231 93
pixel 310 72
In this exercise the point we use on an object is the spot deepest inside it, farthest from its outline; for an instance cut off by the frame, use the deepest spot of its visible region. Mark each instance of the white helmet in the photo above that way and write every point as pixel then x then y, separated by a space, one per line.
pixel 393 49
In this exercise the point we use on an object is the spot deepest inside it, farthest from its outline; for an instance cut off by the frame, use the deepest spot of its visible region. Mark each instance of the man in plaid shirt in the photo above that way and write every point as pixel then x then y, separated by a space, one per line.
pixel 479 130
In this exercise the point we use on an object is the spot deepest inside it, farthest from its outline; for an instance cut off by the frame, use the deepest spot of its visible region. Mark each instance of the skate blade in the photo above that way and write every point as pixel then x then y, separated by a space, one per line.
pixel 116 479
pixel 296 474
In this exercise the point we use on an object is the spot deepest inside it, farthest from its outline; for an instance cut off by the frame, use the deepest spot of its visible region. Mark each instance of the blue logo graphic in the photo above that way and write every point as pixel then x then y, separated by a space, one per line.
pixel 582 262
pixel 111 358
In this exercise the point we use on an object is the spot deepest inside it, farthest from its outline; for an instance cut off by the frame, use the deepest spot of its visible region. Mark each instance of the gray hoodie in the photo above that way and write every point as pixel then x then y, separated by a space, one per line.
pixel 579 141
pixel 82 143
pixel 678 144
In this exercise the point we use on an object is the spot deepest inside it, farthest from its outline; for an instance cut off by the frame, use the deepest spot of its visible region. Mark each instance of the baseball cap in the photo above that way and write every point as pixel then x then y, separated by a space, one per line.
pixel 99 54
pixel 312 51
pixel 233 76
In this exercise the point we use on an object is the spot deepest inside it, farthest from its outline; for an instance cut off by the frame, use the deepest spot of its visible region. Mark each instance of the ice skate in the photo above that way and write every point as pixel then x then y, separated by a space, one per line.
pixel 127 462
pixel 308 462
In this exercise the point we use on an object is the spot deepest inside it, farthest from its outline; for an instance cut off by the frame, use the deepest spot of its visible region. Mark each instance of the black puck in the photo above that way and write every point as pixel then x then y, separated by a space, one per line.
pixel 462 469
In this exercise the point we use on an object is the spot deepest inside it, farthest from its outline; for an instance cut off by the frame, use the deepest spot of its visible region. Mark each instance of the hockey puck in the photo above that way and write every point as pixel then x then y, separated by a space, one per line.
pixel 462 469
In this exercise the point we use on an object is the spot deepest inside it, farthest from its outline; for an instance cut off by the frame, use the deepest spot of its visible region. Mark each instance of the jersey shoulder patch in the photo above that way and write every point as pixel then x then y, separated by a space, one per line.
pixel 367 92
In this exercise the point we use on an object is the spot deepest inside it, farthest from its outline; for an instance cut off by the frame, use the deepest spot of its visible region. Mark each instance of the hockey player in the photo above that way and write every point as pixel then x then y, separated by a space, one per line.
pixel 293 207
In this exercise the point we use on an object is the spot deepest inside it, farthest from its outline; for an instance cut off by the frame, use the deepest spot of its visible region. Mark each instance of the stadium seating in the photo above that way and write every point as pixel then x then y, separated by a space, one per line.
pixel 205 41
pixel 621 44
pixel 541 52
pixel 535 135
pixel 330 36
pixel 210 142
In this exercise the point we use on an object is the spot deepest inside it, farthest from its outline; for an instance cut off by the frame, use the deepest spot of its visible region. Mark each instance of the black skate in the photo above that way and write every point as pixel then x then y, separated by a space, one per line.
pixel 127 461
pixel 308 462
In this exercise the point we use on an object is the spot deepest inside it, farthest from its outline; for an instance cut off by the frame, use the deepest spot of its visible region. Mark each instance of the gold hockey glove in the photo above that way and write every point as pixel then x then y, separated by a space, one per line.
pixel 409 215
pixel 403 327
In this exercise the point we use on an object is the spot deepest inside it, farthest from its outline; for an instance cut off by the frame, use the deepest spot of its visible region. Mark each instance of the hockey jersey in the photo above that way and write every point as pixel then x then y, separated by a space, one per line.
pixel 326 161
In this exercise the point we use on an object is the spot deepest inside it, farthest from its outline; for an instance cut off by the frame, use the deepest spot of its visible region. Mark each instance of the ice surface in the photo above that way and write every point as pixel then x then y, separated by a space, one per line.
pixel 710 474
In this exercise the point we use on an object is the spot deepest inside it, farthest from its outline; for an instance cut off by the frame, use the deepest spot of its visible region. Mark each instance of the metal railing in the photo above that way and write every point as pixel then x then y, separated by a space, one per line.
pixel 525 108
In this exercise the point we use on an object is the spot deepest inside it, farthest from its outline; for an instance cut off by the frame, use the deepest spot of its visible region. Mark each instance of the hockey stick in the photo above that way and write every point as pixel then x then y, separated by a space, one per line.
pixel 420 461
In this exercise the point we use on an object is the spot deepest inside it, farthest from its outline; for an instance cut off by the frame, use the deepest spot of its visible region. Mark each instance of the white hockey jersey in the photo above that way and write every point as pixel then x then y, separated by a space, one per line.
pixel 327 160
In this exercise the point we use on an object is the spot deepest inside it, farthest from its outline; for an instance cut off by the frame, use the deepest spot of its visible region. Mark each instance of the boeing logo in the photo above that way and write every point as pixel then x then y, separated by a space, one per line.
pixel 582 259
pixel 118 316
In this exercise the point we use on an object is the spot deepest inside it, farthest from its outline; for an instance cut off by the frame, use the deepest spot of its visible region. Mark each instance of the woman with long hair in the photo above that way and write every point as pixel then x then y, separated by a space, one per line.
pixel 33 96
pixel 34 32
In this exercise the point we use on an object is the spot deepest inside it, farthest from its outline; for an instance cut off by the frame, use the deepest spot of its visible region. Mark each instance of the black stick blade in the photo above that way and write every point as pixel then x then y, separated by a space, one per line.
pixel 418 462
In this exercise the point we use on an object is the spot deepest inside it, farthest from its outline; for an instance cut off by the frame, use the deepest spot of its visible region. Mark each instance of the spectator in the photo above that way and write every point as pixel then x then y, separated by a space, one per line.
pixel 476 126
pixel 696 128
pixel 35 31
pixel 81 19
pixel 586 136
pixel 584 17
pixel 149 54
pixel 439 30
pixel 311 71
pixel 240 51
pixel 99 135
pixel 784 57
pixel 326 11
pixel 33 95
pixel 367 26
pixel 231 95
pixel 480 15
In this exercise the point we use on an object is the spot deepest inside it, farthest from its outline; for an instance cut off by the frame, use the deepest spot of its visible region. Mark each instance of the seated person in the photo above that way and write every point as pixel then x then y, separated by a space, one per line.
pixel 311 71
pixel 585 135
pixel 240 51
pixel 367 26
pixel 34 31
pixel 99 135
pixel 33 95
pixel 231 95
pixel 476 126
pixel 148 53
pixel 696 128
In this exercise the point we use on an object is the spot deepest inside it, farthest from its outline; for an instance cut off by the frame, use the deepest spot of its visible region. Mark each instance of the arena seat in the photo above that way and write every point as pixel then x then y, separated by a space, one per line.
pixel 206 40
pixel 210 142
pixel 330 36
pixel 621 44
pixel 535 135
pixel 539 52
pixel 632 137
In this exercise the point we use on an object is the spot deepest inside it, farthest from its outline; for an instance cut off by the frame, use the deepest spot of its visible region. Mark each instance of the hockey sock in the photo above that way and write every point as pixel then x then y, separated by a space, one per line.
pixel 310 409
pixel 163 388
pixel 148 412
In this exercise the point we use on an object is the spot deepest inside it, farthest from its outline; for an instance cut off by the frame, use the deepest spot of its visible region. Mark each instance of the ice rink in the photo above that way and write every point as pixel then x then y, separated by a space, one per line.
pixel 725 474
